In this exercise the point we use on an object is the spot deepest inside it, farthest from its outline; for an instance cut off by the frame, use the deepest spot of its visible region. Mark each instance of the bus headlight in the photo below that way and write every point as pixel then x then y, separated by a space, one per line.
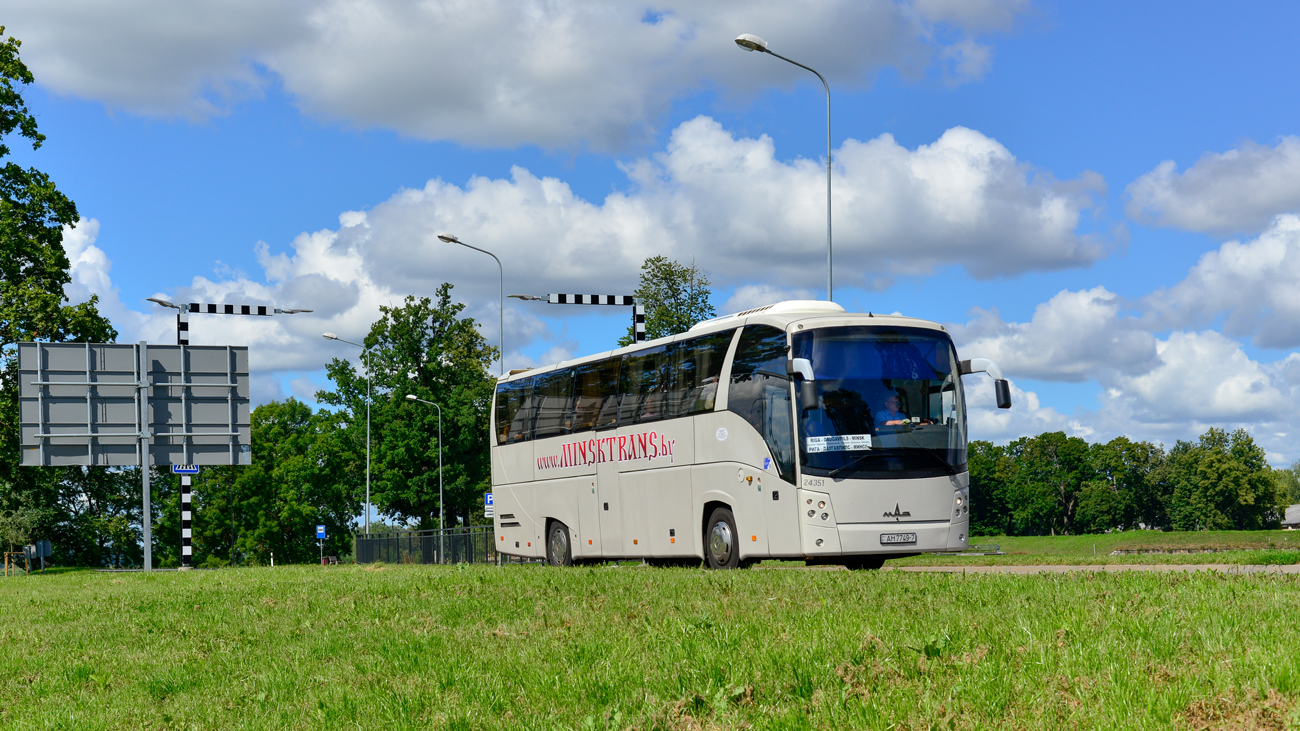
pixel 824 516
pixel 811 513
pixel 821 504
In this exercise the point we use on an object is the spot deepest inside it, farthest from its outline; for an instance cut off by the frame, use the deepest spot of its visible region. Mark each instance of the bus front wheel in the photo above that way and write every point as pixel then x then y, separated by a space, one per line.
pixel 721 540
pixel 558 550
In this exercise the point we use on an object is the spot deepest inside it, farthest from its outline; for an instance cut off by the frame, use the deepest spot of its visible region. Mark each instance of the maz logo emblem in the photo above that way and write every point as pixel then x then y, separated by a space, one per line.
pixel 897 513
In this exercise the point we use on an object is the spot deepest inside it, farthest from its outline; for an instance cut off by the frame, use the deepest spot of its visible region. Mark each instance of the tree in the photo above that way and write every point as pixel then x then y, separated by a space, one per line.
pixel 33 271
pixel 990 509
pixel 1222 483
pixel 303 475
pixel 675 296
pixel 1288 483
pixel 1049 472
pixel 1125 490
pixel 426 349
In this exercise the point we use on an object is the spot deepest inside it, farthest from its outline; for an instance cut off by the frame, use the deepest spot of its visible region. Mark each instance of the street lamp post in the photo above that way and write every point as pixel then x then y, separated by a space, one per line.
pixel 442 509
pixel 751 42
pixel 501 281
pixel 365 353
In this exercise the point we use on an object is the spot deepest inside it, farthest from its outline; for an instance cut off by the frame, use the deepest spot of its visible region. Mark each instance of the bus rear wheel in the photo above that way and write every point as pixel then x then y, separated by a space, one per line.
pixel 721 540
pixel 558 550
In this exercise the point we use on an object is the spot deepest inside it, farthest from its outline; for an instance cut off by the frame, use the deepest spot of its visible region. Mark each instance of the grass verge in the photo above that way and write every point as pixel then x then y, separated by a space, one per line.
pixel 529 647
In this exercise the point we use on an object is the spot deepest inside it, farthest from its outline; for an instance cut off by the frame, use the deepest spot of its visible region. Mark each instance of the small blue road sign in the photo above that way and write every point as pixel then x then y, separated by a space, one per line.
pixel 488 510
pixel 487 498
pixel 320 532
pixel 185 469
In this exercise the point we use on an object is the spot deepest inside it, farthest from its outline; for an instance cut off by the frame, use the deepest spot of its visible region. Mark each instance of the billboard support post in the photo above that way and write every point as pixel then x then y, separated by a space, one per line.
pixel 146 517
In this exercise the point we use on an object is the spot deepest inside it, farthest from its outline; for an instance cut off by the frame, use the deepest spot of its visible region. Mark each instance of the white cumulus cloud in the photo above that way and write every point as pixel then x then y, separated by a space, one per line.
pixel 491 72
pixel 1254 286
pixel 1236 191
pixel 1073 337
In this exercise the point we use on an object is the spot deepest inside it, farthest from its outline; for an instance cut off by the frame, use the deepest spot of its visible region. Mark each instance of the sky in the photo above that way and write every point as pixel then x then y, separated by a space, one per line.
pixel 1102 197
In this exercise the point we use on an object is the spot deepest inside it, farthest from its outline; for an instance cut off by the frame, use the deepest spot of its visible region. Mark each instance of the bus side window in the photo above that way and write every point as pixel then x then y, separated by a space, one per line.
pixel 510 402
pixel 552 394
pixel 608 374
pixel 521 429
pixel 587 398
pixel 760 392
pixel 696 365
pixel 643 384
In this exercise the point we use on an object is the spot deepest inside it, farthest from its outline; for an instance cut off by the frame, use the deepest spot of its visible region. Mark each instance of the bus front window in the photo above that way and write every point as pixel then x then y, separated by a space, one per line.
pixel 889 403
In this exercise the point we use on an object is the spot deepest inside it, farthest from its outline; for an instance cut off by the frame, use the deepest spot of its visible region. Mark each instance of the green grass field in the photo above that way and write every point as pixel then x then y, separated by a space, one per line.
pixel 532 647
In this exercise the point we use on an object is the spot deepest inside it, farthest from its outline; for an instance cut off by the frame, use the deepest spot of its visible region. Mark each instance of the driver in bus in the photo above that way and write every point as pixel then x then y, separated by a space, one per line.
pixel 890 415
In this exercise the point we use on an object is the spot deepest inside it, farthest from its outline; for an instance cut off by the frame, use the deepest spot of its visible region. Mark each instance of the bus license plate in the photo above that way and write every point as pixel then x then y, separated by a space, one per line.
pixel 887 539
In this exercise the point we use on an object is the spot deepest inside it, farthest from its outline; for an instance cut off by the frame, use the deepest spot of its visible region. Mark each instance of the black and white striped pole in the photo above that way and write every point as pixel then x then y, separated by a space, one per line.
pixel 187 537
pixel 184 309
pixel 183 338
pixel 621 300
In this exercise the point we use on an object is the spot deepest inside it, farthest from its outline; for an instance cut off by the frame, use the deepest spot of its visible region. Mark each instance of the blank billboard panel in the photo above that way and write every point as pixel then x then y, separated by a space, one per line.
pixel 83 403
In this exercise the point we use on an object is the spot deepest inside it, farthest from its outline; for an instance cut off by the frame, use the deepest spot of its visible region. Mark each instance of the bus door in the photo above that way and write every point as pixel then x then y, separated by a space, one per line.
pixel 595 389
pixel 610 512
pixel 759 392
pixel 780 499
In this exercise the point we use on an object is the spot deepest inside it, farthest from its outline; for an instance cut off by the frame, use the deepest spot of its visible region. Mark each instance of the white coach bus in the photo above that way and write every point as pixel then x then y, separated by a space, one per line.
pixel 794 431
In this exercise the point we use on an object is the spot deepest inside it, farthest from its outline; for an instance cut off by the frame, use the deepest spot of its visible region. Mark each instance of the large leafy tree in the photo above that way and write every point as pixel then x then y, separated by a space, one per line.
pixel 1049 471
pixel 991 502
pixel 1126 489
pixel 1222 482
pixel 676 296
pixel 33 272
pixel 426 349
pixel 1288 483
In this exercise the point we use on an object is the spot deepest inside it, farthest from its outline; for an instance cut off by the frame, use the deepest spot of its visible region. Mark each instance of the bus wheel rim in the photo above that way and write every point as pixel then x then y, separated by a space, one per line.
pixel 720 542
pixel 557 546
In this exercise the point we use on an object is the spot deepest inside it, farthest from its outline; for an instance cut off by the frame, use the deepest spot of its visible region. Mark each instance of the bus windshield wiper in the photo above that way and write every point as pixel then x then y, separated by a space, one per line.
pixel 947 468
pixel 856 461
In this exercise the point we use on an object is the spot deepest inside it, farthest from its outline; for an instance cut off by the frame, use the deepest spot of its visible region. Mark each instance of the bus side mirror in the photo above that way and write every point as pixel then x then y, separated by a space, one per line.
pixel 800 369
pixel 1001 388
pixel 808 394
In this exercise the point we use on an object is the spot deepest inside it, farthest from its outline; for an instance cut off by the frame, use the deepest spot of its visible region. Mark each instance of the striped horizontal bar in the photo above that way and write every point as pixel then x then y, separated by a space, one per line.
pixel 212 309
pixel 623 300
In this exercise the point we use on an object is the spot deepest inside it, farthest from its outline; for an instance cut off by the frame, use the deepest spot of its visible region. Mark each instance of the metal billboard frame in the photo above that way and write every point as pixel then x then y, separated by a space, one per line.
pixel 121 405
pixel 138 399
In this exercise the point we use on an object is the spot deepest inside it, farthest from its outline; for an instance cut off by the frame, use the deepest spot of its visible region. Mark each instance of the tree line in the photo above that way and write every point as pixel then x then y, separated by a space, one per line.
pixel 309 466
pixel 1053 484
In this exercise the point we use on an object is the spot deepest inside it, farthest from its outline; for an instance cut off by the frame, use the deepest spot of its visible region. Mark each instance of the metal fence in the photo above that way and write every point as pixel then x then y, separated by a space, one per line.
pixel 452 545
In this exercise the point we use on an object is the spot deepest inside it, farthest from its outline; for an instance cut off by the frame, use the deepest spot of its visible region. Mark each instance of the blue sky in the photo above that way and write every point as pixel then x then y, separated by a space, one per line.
pixel 1101 196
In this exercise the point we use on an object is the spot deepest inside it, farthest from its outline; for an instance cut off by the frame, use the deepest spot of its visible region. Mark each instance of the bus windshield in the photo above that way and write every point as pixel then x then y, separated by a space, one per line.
pixel 889 403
